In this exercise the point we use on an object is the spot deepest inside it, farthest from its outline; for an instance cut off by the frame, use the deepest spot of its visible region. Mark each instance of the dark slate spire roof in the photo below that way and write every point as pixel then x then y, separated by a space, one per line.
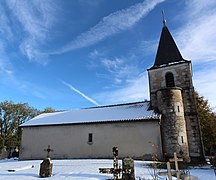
pixel 167 52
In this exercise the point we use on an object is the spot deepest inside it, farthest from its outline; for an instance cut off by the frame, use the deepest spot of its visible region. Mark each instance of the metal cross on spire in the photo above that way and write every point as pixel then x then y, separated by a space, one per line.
pixel 164 20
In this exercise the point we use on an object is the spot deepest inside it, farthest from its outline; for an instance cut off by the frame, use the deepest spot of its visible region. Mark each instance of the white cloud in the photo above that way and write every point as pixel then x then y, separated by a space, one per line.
pixel 118 70
pixel 200 7
pixel 94 54
pixel 6 68
pixel 10 79
pixel 5 24
pixel 36 19
pixel 135 90
pixel 148 47
pixel 112 24
pixel 80 93
pixel 112 64
pixel 197 39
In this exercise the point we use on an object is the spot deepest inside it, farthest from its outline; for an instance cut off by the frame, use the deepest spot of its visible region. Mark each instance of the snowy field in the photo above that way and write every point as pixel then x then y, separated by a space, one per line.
pixel 82 169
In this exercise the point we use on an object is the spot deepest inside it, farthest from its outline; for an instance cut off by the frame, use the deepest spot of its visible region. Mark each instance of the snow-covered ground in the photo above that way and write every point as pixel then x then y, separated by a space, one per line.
pixel 79 169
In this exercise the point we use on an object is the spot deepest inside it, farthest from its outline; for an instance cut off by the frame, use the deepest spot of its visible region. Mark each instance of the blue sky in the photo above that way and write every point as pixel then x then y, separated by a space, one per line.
pixel 72 54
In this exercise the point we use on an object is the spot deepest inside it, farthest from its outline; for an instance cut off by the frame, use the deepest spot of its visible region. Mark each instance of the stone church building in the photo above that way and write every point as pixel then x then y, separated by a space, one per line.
pixel 166 124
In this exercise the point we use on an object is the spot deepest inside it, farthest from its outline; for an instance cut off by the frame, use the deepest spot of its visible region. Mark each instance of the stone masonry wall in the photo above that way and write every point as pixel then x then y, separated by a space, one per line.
pixel 173 125
pixel 183 78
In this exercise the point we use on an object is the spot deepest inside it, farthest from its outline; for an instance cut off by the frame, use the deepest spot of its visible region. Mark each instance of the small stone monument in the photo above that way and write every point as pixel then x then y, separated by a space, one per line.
pixel 128 169
pixel 47 165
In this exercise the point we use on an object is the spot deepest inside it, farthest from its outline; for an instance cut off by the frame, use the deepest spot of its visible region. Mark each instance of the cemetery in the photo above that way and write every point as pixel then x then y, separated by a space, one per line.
pixel 99 169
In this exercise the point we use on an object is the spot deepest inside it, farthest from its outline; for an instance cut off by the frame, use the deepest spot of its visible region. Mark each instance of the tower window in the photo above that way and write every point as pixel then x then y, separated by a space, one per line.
pixel 182 139
pixel 170 80
pixel 178 108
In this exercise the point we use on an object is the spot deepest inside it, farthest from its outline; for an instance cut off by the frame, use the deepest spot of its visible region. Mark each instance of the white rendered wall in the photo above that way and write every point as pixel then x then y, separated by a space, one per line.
pixel 134 139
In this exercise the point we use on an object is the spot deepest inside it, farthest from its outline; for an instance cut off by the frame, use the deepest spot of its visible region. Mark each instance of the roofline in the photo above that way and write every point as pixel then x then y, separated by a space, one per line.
pixel 97 122
pixel 168 65
pixel 113 105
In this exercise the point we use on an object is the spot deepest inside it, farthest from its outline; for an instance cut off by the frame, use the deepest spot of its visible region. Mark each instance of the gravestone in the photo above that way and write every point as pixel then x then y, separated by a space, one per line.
pixel 46 168
pixel 128 169
pixel 47 165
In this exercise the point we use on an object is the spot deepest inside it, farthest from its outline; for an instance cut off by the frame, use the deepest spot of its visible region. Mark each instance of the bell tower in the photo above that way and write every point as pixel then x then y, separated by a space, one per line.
pixel 172 95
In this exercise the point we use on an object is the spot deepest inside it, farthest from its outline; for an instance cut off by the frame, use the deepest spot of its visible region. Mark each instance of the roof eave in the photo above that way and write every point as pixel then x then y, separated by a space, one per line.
pixel 156 118
pixel 169 64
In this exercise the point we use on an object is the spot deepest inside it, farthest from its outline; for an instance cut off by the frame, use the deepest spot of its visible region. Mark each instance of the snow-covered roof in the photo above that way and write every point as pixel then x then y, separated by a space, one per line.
pixel 121 112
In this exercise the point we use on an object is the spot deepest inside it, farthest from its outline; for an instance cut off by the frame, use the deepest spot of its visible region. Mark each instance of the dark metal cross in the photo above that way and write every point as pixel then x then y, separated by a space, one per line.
pixel 164 20
pixel 115 170
pixel 48 151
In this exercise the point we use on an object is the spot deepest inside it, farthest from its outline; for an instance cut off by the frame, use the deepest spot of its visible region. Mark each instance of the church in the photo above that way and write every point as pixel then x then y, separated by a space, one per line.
pixel 166 124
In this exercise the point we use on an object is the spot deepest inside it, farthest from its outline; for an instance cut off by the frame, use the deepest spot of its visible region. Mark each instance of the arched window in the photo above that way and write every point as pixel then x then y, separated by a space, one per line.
pixel 170 80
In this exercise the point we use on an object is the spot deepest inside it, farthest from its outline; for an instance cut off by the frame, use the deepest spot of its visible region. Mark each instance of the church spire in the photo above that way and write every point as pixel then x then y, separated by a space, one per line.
pixel 167 51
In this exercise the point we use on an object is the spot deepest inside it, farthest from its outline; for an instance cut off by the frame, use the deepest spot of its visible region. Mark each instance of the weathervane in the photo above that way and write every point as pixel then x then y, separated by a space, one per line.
pixel 164 21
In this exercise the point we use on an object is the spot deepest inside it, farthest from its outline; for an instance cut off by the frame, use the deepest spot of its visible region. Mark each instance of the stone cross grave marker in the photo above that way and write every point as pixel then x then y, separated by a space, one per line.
pixel 168 172
pixel 176 160
pixel 47 165
pixel 48 151
pixel 115 170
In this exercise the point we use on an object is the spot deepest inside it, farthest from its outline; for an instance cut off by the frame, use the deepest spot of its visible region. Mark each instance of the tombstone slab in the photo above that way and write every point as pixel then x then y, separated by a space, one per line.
pixel 46 168
pixel 128 169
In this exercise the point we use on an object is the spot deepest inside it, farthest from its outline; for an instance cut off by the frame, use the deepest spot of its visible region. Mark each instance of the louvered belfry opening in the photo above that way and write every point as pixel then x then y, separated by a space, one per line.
pixel 170 80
